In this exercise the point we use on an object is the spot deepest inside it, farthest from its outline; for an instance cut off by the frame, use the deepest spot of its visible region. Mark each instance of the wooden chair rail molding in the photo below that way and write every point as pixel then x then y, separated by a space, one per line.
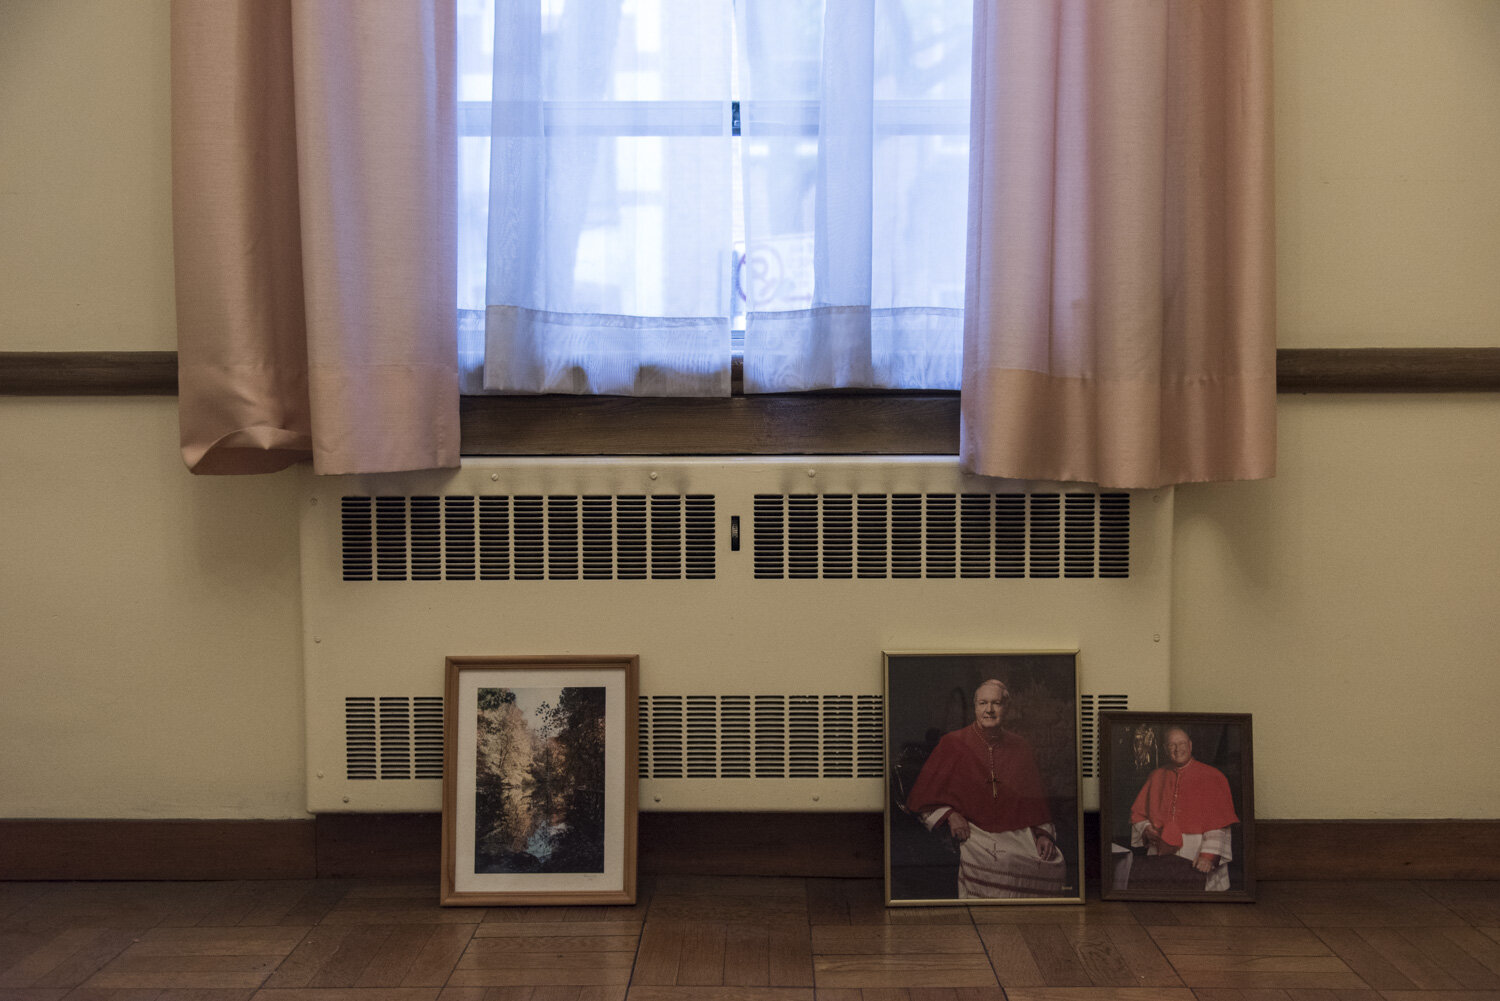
pixel 849 423
pixel 88 373
pixel 1298 370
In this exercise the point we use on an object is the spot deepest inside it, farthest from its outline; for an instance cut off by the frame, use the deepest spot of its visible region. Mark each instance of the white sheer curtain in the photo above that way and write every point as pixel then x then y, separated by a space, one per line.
pixel 855 127
pixel 607 245
pixel 610 198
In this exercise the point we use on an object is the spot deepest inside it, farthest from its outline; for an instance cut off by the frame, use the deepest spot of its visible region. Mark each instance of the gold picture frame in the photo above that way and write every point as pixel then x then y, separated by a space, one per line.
pixel 540 781
pixel 1007 756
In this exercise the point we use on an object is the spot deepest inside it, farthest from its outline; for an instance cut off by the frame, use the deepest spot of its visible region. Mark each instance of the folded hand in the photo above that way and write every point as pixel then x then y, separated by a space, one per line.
pixel 1046 848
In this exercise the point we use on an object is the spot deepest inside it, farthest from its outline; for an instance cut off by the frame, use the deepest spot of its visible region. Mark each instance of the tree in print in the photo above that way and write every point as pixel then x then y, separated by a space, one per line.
pixel 575 776
pixel 539 796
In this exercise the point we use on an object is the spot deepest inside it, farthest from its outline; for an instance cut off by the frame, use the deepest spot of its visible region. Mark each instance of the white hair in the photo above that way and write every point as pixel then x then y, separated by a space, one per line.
pixel 991 681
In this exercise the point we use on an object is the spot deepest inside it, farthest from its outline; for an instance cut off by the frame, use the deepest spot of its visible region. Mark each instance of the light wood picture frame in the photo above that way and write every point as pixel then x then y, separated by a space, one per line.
pixel 1006 756
pixel 1176 806
pixel 540 781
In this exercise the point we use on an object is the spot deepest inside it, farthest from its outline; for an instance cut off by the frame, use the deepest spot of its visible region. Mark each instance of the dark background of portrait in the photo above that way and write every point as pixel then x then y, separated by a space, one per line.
pixel 1219 744
pixel 928 695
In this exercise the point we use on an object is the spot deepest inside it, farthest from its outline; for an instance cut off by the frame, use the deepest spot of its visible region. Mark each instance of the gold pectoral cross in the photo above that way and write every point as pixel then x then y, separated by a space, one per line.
pixel 989 753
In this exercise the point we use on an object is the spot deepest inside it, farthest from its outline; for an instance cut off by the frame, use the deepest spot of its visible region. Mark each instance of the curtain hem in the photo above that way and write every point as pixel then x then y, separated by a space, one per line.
pixel 1117 433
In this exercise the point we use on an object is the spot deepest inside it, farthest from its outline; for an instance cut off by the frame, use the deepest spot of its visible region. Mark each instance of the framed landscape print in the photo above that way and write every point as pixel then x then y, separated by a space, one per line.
pixel 1176 806
pixel 982 787
pixel 539 781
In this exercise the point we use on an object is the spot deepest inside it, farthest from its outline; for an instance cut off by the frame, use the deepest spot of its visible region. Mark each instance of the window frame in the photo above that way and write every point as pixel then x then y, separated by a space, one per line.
pixel 827 422
pixel 880 422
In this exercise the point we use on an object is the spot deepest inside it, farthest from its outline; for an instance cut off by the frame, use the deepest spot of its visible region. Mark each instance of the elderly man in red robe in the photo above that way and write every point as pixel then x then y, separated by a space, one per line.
pixel 982 784
pixel 1185 809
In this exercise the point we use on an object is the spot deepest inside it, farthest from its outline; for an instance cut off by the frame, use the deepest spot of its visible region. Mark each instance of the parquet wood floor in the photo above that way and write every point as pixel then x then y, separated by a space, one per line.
pixel 740 939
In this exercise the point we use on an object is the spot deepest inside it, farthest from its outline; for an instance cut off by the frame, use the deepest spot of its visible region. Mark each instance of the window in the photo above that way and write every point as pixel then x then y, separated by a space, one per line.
pixel 619 234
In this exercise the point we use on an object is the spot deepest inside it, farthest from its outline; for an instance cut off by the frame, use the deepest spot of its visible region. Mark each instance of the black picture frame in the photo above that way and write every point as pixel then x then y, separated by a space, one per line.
pixel 1140 784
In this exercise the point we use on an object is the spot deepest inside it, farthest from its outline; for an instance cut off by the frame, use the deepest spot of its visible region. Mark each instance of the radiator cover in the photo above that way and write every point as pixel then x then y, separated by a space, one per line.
pixel 758 593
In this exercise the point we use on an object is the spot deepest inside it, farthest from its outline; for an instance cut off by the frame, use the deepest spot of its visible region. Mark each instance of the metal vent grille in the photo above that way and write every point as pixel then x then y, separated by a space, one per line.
pixel 685 736
pixel 1037 535
pixel 562 537
pixel 1089 709
pixel 393 737
pixel 761 736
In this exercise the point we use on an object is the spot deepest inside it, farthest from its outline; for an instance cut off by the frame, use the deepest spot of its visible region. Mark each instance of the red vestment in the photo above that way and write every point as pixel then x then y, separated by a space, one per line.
pixel 957 775
pixel 1193 799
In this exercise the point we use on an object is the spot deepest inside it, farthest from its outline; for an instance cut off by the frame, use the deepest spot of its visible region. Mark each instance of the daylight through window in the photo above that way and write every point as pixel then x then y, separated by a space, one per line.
pixel 648 186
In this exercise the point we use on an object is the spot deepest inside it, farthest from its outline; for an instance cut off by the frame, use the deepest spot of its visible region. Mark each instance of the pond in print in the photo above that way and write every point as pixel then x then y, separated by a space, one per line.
pixel 539 791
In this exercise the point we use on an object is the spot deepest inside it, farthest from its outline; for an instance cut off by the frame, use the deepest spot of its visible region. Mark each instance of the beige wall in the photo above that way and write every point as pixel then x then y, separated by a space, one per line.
pixel 149 622
pixel 1351 604
pixel 149 625
pixel 1388 172
pixel 85 176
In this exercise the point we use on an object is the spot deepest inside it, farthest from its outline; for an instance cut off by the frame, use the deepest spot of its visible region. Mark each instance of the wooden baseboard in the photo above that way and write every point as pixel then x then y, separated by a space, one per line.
pixel 749 844
pixel 752 844
pixel 379 844
pixel 756 844
pixel 1377 849
pixel 157 849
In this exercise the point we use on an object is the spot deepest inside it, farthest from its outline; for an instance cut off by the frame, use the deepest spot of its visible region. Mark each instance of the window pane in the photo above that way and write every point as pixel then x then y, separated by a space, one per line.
pixel 602 180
